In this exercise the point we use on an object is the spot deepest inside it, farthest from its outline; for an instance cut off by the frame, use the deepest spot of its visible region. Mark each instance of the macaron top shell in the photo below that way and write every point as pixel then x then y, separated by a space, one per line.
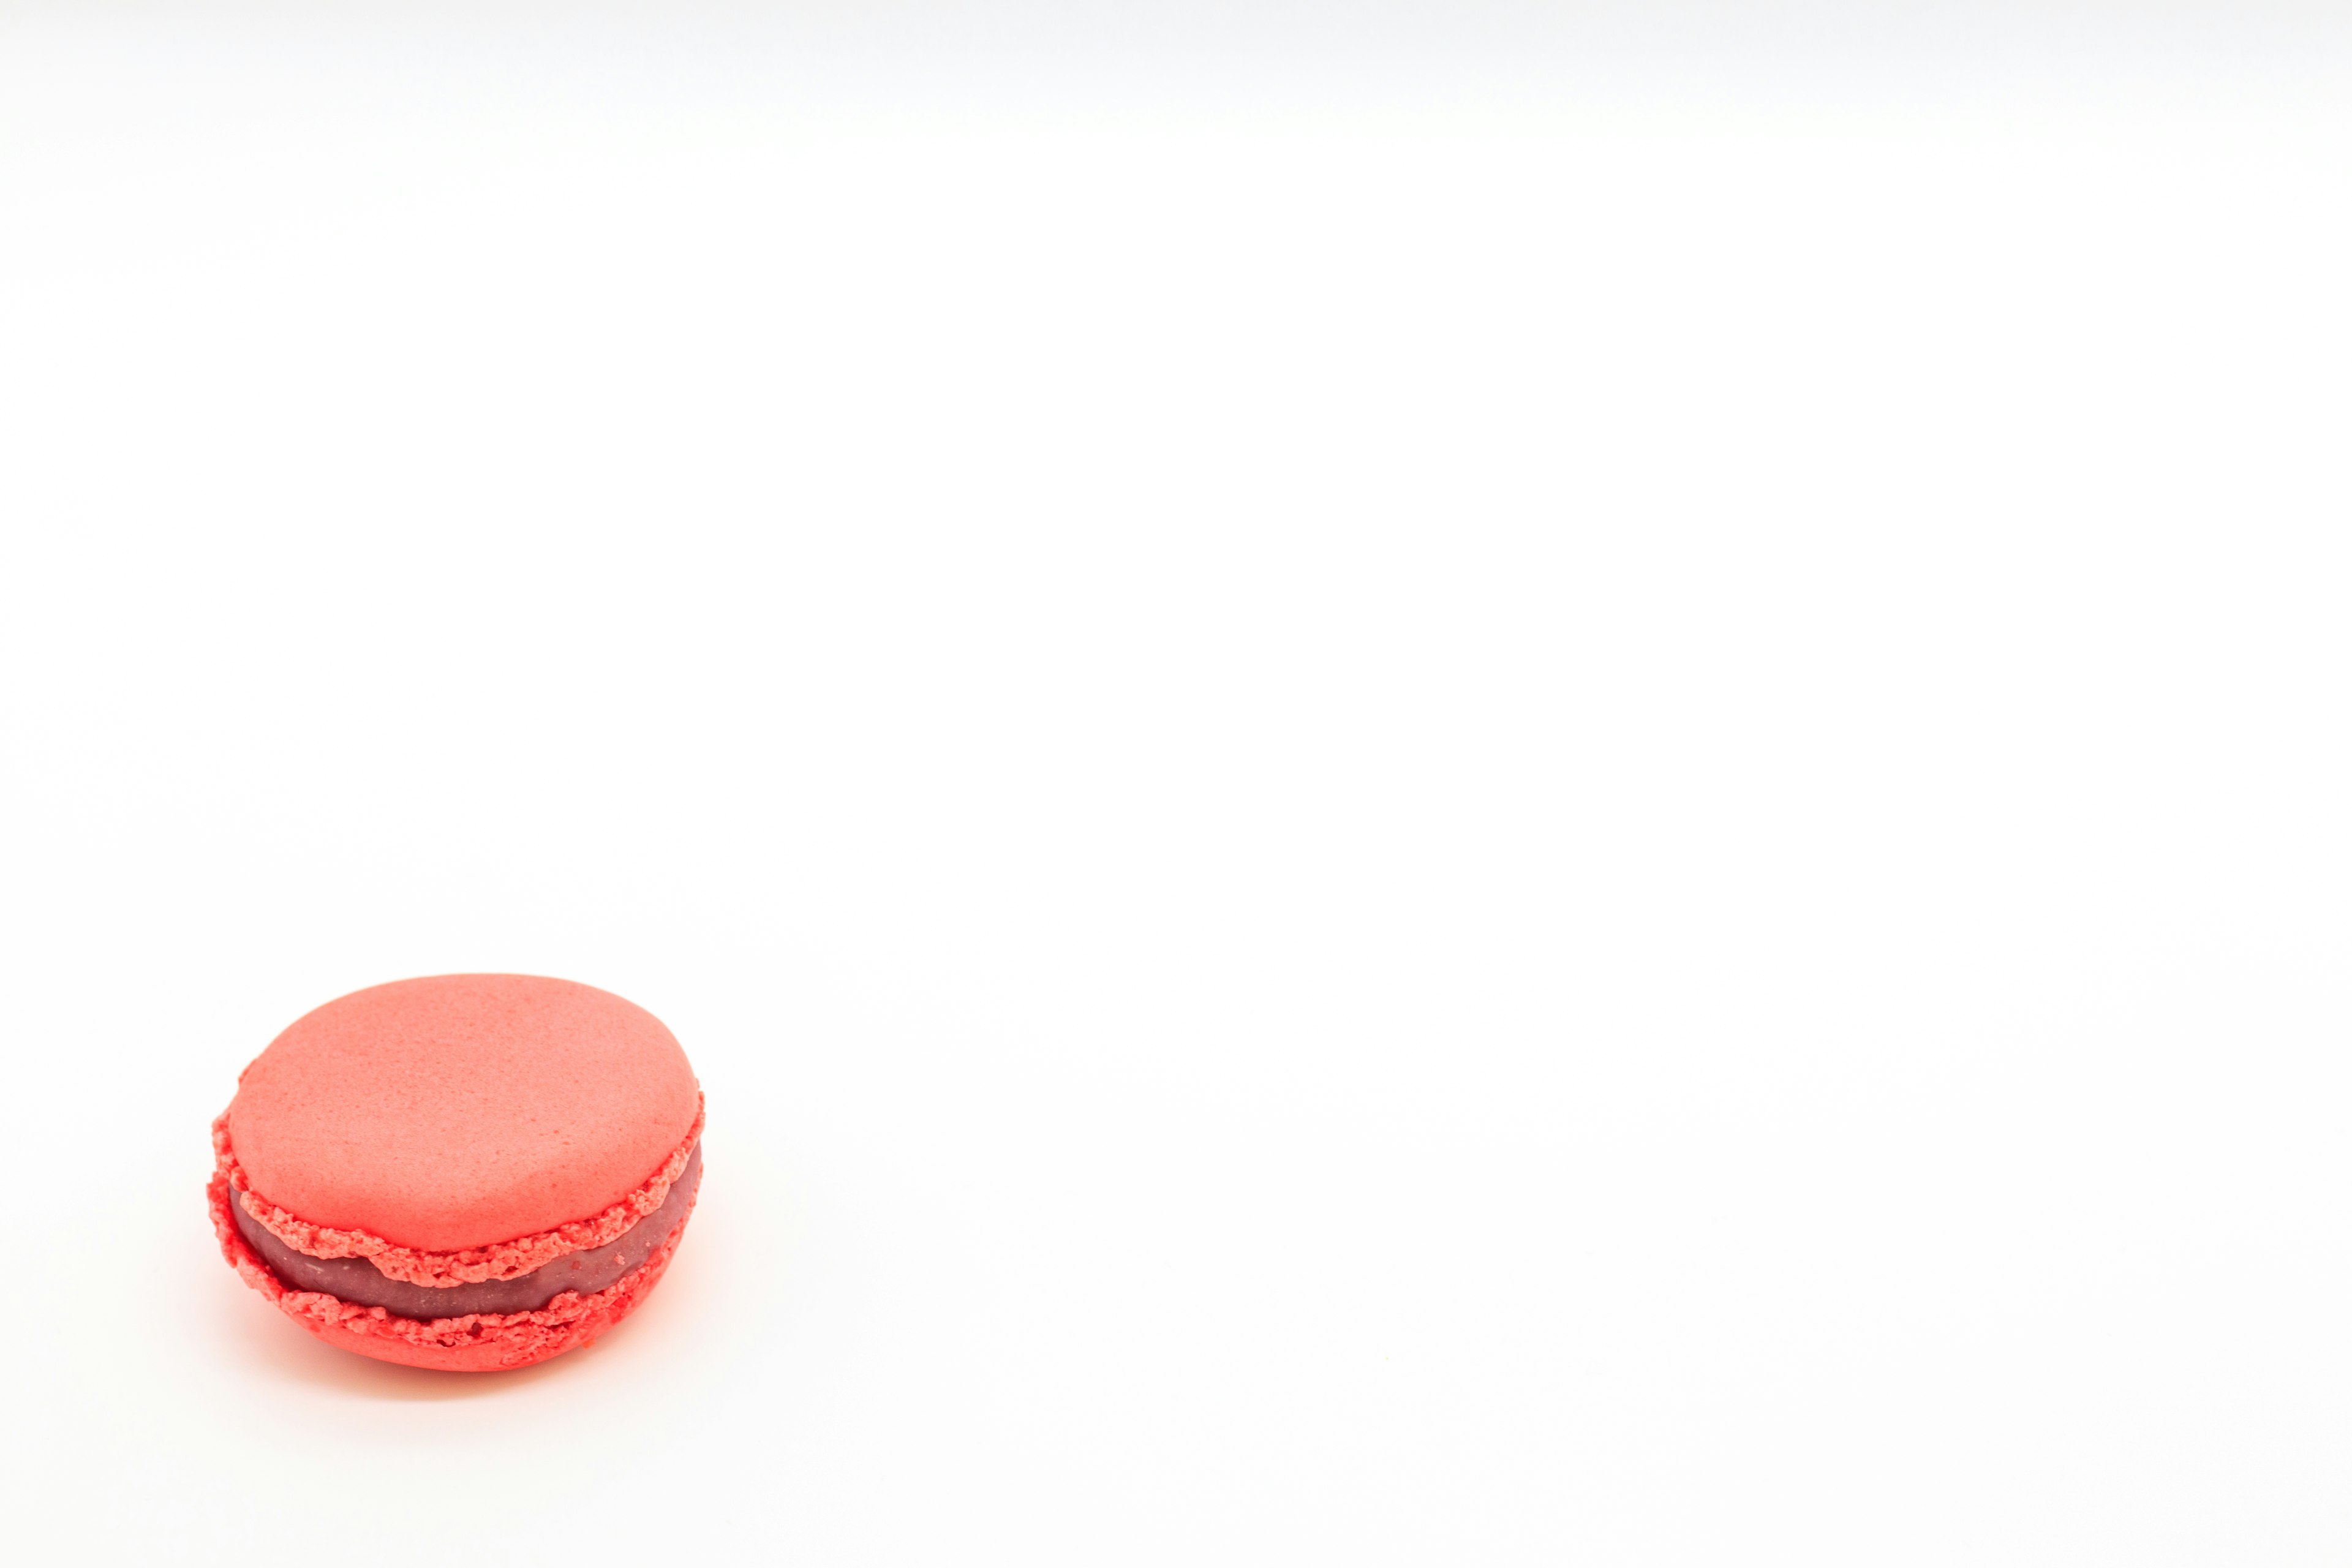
pixel 462 1110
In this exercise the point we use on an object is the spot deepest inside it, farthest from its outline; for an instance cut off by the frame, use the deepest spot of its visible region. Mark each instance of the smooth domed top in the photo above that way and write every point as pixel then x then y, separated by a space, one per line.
pixel 462 1110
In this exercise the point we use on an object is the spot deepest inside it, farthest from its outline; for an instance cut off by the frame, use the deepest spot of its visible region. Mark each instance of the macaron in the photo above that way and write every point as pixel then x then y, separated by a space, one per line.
pixel 468 1172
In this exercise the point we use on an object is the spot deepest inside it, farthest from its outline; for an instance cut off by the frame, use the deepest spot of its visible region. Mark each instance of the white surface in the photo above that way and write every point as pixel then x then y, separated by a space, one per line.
pixel 1528 817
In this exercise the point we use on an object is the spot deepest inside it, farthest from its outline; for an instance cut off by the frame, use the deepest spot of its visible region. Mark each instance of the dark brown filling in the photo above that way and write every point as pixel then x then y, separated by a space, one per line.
pixel 358 1281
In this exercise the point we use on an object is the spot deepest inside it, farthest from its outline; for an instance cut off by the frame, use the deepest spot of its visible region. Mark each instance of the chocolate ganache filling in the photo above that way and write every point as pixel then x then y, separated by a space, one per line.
pixel 357 1282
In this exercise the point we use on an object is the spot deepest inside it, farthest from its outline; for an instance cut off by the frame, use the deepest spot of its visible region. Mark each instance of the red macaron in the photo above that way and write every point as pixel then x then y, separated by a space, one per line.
pixel 469 1173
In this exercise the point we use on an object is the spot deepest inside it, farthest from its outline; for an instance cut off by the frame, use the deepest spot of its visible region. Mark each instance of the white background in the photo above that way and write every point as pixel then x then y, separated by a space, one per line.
pixel 1439 786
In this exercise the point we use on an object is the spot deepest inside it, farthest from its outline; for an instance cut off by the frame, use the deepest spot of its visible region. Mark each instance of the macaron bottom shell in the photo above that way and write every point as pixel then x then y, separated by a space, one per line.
pixel 475 1342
